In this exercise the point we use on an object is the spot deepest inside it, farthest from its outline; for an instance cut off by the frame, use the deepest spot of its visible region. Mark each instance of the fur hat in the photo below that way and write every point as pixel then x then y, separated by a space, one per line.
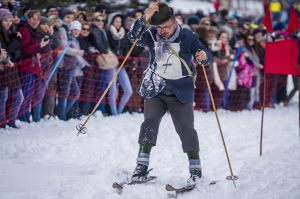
pixel 164 14
pixel 5 14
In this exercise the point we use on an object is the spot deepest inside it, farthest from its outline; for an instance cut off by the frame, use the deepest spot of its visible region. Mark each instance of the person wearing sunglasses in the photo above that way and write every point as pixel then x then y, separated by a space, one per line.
pixel 99 41
pixel 167 85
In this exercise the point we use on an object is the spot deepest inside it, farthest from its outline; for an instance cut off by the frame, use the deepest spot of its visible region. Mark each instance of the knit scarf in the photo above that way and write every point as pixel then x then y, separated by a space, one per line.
pixel 117 35
pixel 162 44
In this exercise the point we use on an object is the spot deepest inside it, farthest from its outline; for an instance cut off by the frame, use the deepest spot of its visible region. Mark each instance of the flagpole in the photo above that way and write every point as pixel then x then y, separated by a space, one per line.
pixel 299 104
pixel 262 115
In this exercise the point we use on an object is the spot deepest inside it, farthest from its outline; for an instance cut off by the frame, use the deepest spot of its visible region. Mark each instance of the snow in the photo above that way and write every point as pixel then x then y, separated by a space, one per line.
pixel 47 160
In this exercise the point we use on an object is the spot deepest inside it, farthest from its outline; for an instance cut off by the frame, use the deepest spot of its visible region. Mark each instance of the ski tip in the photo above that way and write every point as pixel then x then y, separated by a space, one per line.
pixel 169 187
pixel 117 186
pixel 212 183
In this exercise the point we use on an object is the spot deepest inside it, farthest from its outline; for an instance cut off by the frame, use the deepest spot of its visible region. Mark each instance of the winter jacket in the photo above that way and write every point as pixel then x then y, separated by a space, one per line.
pixel 98 39
pixel 46 57
pixel 9 77
pixel 245 71
pixel 187 45
pixel 29 47
pixel 118 46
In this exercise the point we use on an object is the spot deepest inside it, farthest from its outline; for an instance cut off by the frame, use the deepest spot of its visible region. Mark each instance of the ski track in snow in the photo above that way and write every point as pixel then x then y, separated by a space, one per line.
pixel 47 160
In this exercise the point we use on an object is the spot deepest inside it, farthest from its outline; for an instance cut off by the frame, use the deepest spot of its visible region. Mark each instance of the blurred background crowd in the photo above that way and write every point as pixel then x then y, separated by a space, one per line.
pixel 35 83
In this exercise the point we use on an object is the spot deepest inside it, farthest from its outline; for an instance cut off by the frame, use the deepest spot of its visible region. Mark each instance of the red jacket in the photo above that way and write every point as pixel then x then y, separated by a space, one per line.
pixel 29 47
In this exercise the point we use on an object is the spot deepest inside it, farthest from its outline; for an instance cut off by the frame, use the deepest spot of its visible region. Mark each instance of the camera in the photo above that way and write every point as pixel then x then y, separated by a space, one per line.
pixel 46 37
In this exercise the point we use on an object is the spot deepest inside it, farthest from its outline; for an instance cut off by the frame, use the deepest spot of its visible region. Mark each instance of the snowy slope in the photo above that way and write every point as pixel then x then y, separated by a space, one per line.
pixel 47 160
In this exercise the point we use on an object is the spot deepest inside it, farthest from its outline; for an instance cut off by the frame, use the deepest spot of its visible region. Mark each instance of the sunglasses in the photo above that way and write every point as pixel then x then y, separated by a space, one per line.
pixel 103 11
pixel 87 29
pixel 100 20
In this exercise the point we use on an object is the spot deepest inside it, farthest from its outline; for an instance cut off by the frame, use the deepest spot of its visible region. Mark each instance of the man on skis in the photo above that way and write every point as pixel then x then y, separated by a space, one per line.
pixel 167 84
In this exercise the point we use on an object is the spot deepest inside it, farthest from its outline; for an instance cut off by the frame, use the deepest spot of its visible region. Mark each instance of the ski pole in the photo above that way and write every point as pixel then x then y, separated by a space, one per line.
pixel 231 177
pixel 57 63
pixel 82 127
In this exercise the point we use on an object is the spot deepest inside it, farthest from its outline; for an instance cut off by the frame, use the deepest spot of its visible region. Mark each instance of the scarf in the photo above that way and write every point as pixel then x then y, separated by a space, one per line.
pixel 117 35
pixel 162 44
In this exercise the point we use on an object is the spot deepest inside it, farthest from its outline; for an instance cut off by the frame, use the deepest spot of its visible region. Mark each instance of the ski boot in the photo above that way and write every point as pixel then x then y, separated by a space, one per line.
pixel 196 174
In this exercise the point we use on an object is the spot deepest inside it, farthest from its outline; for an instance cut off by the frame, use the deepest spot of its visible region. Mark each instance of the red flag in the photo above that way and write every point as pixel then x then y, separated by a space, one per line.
pixel 267 21
pixel 281 57
pixel 293 21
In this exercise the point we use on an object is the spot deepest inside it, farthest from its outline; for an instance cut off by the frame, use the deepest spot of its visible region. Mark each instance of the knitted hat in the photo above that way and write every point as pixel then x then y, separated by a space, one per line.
pixel 5 14
pixel 75 25
pixel 164 14
pixel 100 7
pixel 50 6
pixel 194 19
pixel 64 12
pixel 44 20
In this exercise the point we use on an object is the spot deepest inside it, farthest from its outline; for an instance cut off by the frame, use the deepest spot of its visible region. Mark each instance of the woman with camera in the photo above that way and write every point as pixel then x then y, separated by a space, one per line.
pixel 44 33
pixel 11 95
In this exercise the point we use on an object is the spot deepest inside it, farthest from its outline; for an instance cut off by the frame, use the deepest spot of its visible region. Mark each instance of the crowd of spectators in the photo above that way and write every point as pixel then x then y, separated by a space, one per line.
pixel 34 84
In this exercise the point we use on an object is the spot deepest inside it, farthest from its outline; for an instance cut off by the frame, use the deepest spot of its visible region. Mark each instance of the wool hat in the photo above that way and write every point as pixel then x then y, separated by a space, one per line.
pixel 5 14
pixel 100 7
pixel 193 19
pixel 164 14
pixel 64 12
pixel 50 6
pixel 44 20
pixel 75 25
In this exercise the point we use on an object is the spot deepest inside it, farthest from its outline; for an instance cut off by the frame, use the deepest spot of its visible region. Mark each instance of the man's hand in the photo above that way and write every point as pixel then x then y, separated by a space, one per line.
pixel 152 8
pixel 201 56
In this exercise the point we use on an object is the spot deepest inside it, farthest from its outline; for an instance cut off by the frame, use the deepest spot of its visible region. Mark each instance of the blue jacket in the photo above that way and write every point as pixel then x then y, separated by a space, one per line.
pixel 153 83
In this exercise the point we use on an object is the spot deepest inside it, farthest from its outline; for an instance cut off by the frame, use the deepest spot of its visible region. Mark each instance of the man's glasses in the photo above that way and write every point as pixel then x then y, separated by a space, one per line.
pixel 100 20
pixel 87 29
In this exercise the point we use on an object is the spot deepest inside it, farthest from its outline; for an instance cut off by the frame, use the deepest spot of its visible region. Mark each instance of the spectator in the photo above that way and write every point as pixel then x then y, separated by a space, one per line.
pixel 99 40
pixel 67 82
pixel 30 67
pixel 81 16
pixel 252 59
pixel 51 10
pixel 44 33
pixel 193 21
pixel 10 85
pixel 79 62
pixel 102 9
pixel 49 101
pixel 117 42
pixel 88 82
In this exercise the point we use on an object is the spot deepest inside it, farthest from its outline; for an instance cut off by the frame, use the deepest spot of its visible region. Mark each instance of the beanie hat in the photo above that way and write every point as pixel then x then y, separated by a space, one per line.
pixel 100 7
pixel 164 14
pixel 75 25
pixel 64 12
pixel 5 14
pixel 194 19
pixel 44 20
pixel 50 6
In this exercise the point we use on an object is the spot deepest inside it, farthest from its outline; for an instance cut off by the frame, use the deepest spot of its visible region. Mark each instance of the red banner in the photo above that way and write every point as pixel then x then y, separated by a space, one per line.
pixel 281 57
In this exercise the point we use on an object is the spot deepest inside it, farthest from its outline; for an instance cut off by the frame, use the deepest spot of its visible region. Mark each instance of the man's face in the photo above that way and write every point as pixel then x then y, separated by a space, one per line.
pixel 166 29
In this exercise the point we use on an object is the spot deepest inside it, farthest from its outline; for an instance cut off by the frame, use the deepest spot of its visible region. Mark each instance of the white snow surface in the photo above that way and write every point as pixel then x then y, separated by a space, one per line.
pixel 46 160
